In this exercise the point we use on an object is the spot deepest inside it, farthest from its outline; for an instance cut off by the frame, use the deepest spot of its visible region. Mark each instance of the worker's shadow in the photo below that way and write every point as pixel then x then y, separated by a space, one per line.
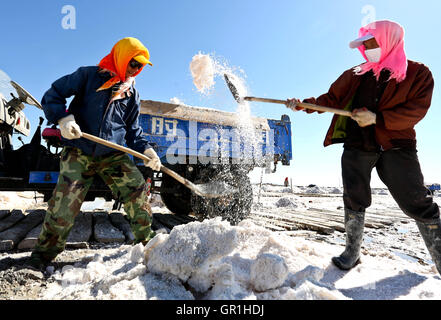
pixel 386 289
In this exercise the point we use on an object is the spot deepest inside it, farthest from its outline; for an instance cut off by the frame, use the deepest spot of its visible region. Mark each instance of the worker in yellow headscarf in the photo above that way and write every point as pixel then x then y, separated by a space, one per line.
pixel 105 104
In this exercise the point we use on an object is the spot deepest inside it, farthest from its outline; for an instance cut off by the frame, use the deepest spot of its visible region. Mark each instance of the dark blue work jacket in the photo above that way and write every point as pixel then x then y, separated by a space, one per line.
pixel 116 122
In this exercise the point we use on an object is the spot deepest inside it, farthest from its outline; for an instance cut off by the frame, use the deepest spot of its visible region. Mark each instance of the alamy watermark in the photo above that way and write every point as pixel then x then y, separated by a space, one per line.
pixel 370 14
pixel 211 145
pixel 69 20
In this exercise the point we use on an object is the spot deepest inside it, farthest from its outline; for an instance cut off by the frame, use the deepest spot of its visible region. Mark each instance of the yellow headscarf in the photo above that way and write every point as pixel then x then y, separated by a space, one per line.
pixel 117 60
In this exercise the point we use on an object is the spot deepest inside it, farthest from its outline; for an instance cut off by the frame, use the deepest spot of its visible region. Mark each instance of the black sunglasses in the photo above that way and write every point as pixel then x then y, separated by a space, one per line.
pixel 135 64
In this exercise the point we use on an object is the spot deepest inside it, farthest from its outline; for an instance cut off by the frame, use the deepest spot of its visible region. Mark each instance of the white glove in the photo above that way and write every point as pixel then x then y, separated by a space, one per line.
pixel 69 128
pixel 292 104
pixel 155 162
pixel 364 117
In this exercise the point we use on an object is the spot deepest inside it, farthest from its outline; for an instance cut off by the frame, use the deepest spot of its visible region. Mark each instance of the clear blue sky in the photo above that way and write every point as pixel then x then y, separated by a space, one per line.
pixel 287 49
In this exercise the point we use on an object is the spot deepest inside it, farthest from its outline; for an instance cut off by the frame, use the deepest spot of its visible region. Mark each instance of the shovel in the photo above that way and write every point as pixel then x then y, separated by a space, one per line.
pixel 206 190
pixel 285 102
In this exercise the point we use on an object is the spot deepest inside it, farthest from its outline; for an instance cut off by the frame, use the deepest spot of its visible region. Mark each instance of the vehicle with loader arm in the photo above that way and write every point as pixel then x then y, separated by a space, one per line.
pixel 200 145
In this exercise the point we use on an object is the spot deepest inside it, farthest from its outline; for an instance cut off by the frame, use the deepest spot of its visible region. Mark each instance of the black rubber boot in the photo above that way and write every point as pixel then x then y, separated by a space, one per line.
pixel 431 233
pixel 354 226
pixel 37 263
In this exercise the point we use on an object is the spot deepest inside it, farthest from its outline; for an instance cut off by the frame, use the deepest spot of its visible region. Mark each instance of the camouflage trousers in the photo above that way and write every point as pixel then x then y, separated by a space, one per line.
pixel 77 171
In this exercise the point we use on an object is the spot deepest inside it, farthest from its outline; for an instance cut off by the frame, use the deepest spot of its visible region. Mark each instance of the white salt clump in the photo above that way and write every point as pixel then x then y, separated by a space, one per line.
pixel 311 273
pixel 314 190
pixel 312 291
pixel 268 271
pixel 176 100
pixel 137 253
pixel 203 71
pixel 189 246
pixel 285 202
pixel 336 190
pixel 157 240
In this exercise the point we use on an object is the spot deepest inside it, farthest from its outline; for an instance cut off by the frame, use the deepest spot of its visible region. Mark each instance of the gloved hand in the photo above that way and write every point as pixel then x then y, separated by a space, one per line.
pixel 292 104
pixel 155 162
pixel 69 128
pixel 364 117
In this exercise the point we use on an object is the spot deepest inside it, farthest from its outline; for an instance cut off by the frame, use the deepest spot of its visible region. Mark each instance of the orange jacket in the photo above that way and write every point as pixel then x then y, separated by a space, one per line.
pixel 401 107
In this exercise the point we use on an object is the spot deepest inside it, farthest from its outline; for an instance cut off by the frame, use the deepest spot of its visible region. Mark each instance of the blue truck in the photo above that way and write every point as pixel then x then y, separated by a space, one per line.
pixel 200 144
pixel 205 145
pixel 434 187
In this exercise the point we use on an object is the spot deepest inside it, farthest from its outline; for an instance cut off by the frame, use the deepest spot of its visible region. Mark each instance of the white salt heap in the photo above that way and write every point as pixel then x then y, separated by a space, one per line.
pixel 214 260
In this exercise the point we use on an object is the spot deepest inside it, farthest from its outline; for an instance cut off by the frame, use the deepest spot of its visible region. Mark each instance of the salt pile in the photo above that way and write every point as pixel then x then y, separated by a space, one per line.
pixel 286 202
pixel 212 260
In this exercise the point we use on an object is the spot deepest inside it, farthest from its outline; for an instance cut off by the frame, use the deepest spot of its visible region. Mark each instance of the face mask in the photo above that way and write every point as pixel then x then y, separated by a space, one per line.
pixel 373 55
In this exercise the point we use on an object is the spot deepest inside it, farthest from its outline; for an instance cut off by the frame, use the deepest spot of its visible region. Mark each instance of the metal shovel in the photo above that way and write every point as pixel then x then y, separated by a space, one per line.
pixel 285 102
pixel 213 189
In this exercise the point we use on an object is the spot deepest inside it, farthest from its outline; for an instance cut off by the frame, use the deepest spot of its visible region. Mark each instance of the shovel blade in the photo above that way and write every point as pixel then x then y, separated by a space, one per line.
pixel 232 89
pixel 215 189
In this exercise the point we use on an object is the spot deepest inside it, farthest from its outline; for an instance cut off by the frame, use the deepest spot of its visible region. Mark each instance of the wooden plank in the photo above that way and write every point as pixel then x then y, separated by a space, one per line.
pixel 31 238
pixel 13 218
pixel 271 226
pixel 118 220
pixel 379 219
pixel 156 225
pixel 299 233
pixel 169 220
pixel 104 231
pixel 369 223
pixel 81 231
pixel 309 222
pixel 183 218
pixel 77 239
pixel 340 214
pixel 5 245
pixel 77 245
pixel 301 223
pixel 4 213
pixel 19 231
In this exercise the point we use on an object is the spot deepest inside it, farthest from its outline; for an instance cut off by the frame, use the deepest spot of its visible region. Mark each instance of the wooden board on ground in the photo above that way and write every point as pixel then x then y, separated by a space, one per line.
pixel 31 238
pixel 13 218
pixel 170 220
pixel 119 221
pixel 81 231
pixel 104 231
pixel 4 213
pixel 19 231
pixel 299 222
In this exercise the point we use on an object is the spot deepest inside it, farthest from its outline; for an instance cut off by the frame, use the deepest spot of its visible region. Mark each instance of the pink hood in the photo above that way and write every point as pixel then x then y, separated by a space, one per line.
pixel 390 38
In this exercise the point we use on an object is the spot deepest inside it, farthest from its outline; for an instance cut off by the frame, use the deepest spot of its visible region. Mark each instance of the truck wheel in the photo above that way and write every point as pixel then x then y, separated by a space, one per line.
pixel 234 207
pixel 175 196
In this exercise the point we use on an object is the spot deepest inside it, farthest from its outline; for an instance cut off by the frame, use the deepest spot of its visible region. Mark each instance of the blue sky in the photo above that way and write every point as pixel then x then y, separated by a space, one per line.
pixel 286 48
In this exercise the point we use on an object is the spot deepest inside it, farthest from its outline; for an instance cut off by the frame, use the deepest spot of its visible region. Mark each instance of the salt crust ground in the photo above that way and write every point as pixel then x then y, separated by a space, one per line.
pixel 214 260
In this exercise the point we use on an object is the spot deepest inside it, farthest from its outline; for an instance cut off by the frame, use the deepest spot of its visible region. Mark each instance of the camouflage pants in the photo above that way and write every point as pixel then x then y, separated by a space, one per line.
pixel 76 175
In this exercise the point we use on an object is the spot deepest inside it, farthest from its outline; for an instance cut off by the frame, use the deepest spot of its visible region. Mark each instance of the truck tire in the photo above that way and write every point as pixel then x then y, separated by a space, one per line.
pixel 234 207
pixel 175 196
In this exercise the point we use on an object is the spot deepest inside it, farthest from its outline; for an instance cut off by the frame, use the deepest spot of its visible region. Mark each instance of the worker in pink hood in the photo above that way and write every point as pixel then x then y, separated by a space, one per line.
pixel 385 49
pixel 387 95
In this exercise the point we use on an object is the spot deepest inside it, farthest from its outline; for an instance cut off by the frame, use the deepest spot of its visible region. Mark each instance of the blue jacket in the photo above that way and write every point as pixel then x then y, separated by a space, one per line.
pixel 116 122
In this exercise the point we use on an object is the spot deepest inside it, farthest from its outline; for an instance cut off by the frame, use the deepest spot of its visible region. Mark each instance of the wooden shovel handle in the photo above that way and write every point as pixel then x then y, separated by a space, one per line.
pixel 138 155
pixel 303 105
